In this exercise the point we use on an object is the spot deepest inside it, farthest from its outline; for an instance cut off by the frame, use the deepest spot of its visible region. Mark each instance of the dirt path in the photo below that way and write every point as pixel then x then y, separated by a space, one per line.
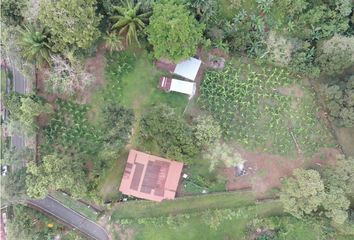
pixel 96 66
pixel 265 171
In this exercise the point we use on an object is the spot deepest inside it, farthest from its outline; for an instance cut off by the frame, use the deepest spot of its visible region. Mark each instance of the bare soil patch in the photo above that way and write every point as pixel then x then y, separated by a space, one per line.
pixel 96 66
pixel 266 171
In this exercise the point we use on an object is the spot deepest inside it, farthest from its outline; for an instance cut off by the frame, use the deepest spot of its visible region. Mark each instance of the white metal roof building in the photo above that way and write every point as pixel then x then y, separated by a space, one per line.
pixel 183 87
pixel 188 68
pixel 176 85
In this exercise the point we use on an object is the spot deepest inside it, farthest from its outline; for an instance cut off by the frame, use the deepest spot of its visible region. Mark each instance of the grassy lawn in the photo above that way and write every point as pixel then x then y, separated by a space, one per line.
pixel 110 184
pixel 196 228
pixel 75 205
pixel 138 209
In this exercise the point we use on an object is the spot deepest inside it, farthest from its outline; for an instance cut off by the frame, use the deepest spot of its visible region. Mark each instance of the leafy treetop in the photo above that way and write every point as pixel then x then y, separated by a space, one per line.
pixel 72 23
pixel 173 32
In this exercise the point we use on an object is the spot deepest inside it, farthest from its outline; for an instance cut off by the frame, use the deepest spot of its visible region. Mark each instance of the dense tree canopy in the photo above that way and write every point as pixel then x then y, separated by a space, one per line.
pixel 161 126
pixel 12 11
pixel 309 193
pixel 72 23
pixel 173 32
pixel 13 187
pixel 55 173
pixel 24 109
pixel 303 194
pixel 340 101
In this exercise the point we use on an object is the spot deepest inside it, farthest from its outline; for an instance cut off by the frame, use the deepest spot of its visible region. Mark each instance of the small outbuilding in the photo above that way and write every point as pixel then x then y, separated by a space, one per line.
pixel 170 84
pixel 188 69
pixel 150 177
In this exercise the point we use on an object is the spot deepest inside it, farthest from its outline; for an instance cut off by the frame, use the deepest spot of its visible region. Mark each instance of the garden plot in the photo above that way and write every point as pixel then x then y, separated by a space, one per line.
pixel 255 107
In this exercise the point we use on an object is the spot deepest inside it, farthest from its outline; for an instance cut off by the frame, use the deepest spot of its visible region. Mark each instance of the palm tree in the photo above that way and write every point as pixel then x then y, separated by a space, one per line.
pixel 129 20
pixel 34 44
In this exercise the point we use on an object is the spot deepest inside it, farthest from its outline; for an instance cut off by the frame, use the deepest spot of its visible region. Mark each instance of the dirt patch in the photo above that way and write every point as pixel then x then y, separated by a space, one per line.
pixel 96 66
pixel 293 90
pixel 266 171
pixel 345 138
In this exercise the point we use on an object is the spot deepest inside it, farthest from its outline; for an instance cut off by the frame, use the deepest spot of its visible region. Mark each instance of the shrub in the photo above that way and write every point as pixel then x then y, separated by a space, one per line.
pixel 163 127
pixel 206 131
pixel 340 101
pixel 173 32
pixel 335 54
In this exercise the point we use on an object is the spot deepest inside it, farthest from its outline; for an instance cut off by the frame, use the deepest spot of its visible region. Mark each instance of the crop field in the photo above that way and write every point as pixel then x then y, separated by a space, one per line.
pixel 264 109
pixel 70 130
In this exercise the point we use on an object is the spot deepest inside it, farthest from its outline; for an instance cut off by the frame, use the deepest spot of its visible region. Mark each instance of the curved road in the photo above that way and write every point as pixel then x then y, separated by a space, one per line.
pixel 70 217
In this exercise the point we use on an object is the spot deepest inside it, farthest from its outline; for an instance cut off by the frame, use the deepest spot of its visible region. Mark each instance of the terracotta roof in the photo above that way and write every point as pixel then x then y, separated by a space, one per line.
pixel 150 177
pixel 165 83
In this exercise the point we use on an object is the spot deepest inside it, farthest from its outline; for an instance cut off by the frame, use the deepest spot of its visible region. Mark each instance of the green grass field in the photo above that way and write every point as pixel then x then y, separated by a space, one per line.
pixel 194 226
pixel 75 205
pixel 137 209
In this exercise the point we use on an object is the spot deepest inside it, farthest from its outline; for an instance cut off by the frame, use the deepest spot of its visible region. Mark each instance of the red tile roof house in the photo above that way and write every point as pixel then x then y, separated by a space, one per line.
pixel 150 177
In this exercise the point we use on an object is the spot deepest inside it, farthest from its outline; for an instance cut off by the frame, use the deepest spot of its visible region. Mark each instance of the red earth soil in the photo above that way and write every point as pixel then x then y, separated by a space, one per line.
pixel 266 171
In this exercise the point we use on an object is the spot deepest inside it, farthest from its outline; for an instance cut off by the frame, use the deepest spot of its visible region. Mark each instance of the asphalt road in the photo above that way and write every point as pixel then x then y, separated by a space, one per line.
pixel 17 142
pixel 20 86
pixel 70 217
pixel 19 81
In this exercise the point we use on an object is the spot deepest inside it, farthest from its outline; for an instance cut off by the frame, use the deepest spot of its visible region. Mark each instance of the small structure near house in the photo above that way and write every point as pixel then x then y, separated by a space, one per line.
pixel 176 85
pixel 188 69
pixel 150 177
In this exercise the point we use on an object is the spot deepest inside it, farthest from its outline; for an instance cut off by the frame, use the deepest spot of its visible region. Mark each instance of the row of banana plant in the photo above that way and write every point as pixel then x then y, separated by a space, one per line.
pixel 69 130
pixel 250 108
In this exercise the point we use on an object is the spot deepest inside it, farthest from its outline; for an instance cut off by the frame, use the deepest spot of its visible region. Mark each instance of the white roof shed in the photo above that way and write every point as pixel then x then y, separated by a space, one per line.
pixel 188 68
pixel 183 87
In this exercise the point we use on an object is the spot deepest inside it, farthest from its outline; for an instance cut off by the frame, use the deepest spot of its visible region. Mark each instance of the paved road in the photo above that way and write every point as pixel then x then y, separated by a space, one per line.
pixel 17 142
pixel 19 81
pixel 20 86
pixel 70 217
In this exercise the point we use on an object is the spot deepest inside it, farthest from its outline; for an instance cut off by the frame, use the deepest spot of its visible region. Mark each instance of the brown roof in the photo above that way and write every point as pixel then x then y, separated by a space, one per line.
pixel 165 83
pixel 150 177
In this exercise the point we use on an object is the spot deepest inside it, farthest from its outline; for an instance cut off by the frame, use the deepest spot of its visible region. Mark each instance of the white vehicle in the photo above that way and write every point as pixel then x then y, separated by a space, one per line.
pixel 4 170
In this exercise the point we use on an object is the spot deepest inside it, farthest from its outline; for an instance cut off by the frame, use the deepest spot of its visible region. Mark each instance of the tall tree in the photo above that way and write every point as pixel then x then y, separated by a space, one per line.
pixel 302 194
pixel 55 173
pixel 129 20
pixel 24 110
pixel 72 23
pixel 341 175
pixel 13 187
pixel 173 31
pixel 34 44
pixel 12 11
